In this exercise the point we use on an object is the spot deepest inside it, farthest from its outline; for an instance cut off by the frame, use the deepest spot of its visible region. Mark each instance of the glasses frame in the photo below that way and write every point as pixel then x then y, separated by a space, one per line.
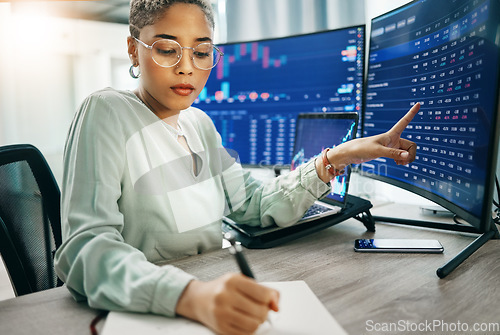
pixel 150 47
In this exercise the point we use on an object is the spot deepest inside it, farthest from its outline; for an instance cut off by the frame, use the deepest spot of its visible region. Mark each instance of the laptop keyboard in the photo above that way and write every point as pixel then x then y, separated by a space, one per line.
pixel 316 209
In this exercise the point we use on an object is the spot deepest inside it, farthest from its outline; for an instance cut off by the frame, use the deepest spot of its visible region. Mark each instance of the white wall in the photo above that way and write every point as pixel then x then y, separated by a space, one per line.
pixel 48 65
pixel 258 19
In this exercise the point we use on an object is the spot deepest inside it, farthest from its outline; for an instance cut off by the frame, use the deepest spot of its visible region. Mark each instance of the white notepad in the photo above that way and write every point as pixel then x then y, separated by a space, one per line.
pixel 301 313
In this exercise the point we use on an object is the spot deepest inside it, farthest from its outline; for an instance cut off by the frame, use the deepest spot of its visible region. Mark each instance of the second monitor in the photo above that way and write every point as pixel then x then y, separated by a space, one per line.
pixel 257 90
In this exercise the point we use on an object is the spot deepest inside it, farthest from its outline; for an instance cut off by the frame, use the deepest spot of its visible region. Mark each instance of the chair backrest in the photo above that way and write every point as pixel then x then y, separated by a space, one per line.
pixel 30 221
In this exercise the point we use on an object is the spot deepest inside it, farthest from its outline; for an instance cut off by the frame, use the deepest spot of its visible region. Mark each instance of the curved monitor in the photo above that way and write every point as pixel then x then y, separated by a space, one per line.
pixel 445 55
pixel 258 89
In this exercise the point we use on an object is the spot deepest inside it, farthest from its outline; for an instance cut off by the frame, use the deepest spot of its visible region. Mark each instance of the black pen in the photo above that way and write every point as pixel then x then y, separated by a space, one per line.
pixel 236 250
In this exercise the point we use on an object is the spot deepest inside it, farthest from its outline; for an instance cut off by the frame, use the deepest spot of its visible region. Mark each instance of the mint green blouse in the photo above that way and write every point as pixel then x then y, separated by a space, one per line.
pixel 133 197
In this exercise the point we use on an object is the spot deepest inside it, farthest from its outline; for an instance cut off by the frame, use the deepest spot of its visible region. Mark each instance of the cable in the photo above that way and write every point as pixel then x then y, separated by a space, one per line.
pixel 101 315
pixel 496 203
pixel 457 219
pixel 498 187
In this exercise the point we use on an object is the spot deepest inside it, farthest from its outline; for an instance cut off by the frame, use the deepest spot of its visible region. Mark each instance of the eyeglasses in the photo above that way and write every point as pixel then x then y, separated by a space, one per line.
pixel 168 53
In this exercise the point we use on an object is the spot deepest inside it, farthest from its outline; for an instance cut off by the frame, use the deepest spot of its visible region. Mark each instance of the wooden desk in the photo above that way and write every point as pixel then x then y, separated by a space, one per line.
pixel 362 291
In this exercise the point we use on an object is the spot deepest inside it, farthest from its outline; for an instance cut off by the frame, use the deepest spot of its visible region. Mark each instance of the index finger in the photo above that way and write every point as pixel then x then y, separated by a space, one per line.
pixel 401 125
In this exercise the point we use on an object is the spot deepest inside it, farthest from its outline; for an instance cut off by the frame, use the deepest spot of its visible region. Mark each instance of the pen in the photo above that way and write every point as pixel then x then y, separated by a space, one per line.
pixel 237 251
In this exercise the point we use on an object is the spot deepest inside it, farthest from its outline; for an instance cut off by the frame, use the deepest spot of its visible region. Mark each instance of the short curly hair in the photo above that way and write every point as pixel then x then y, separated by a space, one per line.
pixel 147 12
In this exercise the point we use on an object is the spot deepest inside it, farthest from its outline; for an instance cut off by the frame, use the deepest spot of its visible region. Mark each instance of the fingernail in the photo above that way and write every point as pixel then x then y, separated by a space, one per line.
pixel 404 154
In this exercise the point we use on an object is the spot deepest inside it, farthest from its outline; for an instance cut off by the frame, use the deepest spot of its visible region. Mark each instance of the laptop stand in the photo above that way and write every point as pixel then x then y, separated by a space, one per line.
pixel 355 208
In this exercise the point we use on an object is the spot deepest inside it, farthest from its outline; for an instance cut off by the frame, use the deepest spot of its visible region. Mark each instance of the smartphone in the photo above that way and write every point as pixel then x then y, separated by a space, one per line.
pixel 398 245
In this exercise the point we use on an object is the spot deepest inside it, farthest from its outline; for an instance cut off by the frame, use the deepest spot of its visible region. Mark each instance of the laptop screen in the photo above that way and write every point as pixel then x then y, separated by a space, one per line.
pixel 315 132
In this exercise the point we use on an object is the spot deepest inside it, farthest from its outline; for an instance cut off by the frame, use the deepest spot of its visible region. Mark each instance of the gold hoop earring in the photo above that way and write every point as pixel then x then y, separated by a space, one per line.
pixel 132 73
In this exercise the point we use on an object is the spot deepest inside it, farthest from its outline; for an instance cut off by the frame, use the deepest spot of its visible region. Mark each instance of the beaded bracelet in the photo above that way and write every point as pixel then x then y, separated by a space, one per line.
pixel 329 167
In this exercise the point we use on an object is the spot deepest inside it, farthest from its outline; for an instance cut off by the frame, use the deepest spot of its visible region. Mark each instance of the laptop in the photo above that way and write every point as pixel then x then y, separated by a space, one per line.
pixel 315 132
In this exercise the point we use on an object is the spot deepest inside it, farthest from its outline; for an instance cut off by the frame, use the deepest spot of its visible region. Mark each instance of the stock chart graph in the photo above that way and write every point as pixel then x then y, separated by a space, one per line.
pixel 257 90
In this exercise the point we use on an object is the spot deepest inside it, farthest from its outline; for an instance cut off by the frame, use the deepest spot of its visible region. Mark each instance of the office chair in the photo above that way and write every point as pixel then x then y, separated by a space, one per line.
pixel 30 221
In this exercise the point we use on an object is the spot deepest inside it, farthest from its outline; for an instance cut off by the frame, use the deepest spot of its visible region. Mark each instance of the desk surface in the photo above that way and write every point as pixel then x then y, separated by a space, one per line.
pixel 363 292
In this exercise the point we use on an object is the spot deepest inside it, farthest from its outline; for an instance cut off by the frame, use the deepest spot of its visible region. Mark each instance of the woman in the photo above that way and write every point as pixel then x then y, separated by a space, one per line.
pixel 146 180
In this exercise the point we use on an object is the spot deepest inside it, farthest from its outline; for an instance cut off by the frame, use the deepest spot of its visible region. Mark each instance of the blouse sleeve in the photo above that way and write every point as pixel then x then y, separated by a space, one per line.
pixel 94 260
pixel 282 200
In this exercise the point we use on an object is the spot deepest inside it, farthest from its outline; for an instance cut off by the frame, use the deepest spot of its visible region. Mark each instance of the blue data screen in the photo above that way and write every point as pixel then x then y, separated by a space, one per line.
pixel 257 90
pixel 443 55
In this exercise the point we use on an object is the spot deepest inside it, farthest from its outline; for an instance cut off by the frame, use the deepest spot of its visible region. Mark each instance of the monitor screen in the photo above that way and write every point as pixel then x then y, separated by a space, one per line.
pixel 445 55
pixel 257 90
pixel 318 131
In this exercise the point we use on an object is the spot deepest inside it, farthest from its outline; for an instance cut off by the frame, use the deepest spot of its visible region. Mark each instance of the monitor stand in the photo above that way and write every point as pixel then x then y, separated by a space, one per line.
pixel 464 254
